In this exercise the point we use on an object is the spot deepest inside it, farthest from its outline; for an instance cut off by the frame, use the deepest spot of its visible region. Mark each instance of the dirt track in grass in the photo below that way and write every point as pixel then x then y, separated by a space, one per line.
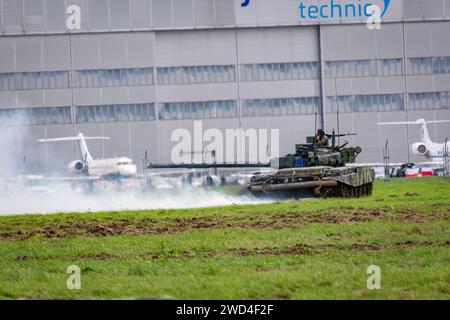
pixel 298 249
pixel 140 225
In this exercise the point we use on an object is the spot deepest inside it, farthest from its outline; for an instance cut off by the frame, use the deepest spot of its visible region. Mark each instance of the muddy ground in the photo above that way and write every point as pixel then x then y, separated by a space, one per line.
pixel 139 225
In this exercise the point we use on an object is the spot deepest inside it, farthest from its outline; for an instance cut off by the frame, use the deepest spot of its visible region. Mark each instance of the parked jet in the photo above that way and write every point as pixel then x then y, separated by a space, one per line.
pixel 112 167
pixel 432 151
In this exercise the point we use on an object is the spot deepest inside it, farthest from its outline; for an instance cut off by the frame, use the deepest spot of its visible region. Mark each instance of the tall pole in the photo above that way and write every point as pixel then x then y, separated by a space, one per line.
pixel 337 111
pixel 72 108
pixel 321 77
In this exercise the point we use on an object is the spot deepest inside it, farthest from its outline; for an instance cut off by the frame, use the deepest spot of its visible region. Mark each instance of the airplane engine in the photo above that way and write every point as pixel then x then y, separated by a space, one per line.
pixel 76 166
pixel 419 149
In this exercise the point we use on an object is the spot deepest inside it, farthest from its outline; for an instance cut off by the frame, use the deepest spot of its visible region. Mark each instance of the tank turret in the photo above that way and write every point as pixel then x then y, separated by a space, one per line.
pixel 311 154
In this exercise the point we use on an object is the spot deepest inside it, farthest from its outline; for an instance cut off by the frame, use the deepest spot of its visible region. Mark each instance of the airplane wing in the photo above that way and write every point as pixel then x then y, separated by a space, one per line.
pixel 72 139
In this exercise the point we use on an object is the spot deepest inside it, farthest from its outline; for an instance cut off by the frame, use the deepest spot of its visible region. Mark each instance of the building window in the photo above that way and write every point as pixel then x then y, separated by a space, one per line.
pixel 429 101
pixel 429 65
pixel 279 71
pixel 115 113
pixel 366 103
pixel 34 80
pixel 197 110
pixel 363 68
pixel 280 107
pixel 35 116
pixel 113 78
pixel 198 74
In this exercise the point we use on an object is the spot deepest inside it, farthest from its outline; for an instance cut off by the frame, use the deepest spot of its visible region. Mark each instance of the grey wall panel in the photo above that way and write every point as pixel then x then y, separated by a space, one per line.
pixel 447 8
pixel 34 16
pixel 224 12
pixel 418 40
pixel 365 124
pixel 278 45
pixel 56 53
pixel 13 16
pixel 140 49
pixel 278 89
pixel 87 96
pixel 287 12
pixel 56 155
pixel 29 54
pixel 143 138
pixel 397 136
pixel 197 92
pixel 8 99
pixel 141 94
pixel 55 16
pixel 118 145
pixel 414 9
pixel 442 131
pixel 440 34
pixel 8 56
pixel 29 148
pixel 265 10
pixel 165 145
pixel 389 41
pixel 420 84
pixel 204 13
pixel 113 50
pixel 183 13
pixel 442 83
pixel 141 17
pixel 363 86
pixel 99 15
pixel 336 43
pixel 115 95
pixel 85 52
pixel 434 9
pixel 120 14
pixel 391 84
pixel 2 29
pixel 30 98
pixel 362 42
pixel 162 13
pixel 57 97
pixel 188 48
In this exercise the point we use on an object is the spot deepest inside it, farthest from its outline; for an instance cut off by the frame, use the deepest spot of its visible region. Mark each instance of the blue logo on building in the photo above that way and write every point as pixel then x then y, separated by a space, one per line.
pixel 334 9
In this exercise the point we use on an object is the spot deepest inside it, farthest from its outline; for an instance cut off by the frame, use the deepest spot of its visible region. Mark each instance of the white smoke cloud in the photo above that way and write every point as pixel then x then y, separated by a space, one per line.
pixel 12 145
pixel 63 200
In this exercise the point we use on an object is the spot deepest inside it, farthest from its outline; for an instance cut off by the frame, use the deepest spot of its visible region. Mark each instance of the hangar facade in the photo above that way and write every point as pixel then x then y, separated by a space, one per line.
pixel 139 69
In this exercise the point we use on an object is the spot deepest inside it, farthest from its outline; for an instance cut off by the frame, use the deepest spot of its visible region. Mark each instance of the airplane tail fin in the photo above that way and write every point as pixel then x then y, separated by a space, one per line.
pixel 424 135
pixel 81 139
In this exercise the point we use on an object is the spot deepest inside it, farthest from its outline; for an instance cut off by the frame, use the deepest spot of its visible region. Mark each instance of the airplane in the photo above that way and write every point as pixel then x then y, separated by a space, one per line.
pixel 112 167
pixel 432 151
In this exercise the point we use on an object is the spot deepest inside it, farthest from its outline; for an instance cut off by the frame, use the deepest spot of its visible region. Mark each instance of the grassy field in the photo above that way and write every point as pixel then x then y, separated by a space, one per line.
pixel 309 249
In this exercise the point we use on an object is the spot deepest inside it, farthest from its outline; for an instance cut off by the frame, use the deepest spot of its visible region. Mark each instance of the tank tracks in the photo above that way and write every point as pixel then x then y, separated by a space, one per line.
pixel 344 191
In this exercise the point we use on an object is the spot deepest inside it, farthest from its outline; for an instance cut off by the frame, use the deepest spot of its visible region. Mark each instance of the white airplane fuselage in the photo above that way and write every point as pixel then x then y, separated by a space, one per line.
pixel 105 167
pixel 119 166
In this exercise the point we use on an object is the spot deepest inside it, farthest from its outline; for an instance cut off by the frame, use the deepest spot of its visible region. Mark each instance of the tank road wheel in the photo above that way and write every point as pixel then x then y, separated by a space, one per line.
pixel 346 191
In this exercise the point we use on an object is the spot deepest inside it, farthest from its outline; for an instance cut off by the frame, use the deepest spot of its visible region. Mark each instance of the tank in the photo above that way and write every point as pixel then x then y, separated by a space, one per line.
pixel 323 171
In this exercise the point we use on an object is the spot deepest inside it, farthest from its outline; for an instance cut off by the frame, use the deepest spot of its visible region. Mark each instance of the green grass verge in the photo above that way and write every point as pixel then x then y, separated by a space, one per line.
pixel 308 249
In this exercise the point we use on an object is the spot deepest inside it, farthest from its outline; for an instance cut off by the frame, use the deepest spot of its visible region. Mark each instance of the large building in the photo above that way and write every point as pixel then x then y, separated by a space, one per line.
pixel 138 69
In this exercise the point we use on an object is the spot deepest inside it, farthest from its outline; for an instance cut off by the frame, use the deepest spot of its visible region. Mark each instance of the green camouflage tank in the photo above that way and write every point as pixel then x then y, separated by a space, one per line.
pixel 323 170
